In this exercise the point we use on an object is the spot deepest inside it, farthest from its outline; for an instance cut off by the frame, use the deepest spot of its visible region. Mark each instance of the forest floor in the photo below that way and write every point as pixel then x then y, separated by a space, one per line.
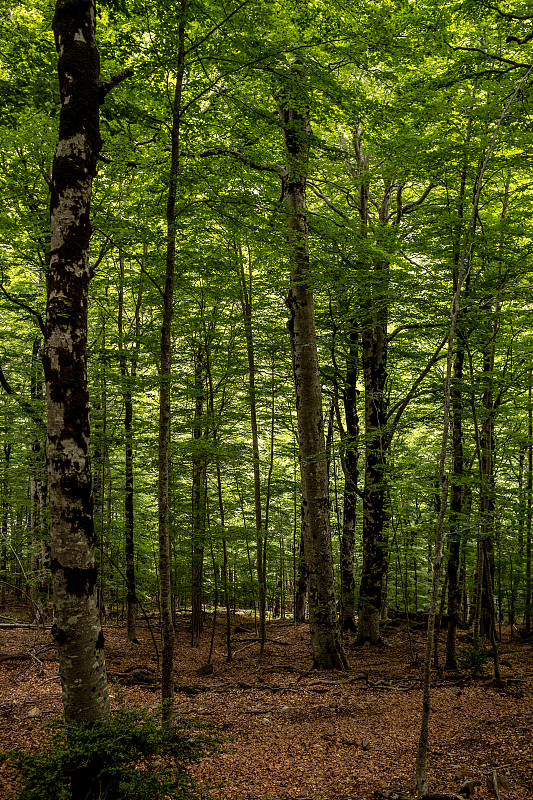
pixel 287 732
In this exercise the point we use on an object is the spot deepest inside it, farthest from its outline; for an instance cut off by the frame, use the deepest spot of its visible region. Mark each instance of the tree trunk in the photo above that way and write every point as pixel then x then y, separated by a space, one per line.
pixel 529 492
pixel 76 629
pixel 199 498
pixel 301 582
pixel 326 643
pixel 245 292
pixel 350 467
pixel 164 560
pixel 4 523
pixel 456 497
pixel 374 353
pixel 129 544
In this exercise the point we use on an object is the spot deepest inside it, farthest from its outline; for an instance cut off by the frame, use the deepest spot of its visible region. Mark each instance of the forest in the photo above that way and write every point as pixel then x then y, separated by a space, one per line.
pixel 266 340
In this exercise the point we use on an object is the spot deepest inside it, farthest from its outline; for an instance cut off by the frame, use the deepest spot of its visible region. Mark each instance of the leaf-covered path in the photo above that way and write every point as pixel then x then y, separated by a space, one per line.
pixel 291 733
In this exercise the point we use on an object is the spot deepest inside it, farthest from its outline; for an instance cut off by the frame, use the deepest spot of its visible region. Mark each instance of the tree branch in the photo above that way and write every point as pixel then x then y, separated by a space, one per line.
pixel 411 206
pixel 8 389
pixel 109 85
pixel 24 404
pixel 328 202
pixel 527 38
pixel 402 405
pixel 506 14
pixel 27 308
pixel 516 64
pixel 227 151
pixel 217 27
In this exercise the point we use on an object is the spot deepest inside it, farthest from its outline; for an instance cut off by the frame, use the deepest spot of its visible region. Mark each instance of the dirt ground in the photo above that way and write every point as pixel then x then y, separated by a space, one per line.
pixel 288 732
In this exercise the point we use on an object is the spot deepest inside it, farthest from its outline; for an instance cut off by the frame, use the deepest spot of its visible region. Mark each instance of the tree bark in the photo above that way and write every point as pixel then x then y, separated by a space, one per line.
pixel 529 514
pixel 76 629
pixel 199 497
pixel 374 341
pixel 326 643
pixel 456 502
pixel 164 559
pixel 245 292
pixel 4 522
pixel 350 467
pixel 129 544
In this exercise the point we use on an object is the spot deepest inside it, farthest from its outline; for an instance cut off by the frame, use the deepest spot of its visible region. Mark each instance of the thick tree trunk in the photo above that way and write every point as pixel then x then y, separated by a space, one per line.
pixel 76 629
pixel 326 643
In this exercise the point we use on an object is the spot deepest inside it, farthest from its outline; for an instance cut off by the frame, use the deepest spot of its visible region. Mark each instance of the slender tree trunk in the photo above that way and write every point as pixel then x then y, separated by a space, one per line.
pixel 245 287
pixel 326 642
pixel 301 581
pixel 456 488
pixel 129 545
pixel 164 559
pixel 4 522
pixel 37 485
pixel 350 467
pixel 374 354
pixel 456 496
pixel 199 498
pixel 225 579
pixel 351 476
pixel 76 630
pixel 529 515
pixel 421 756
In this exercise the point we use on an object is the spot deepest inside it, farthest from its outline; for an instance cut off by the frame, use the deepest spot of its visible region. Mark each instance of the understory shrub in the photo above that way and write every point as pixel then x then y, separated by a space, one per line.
pixel 128 758
pixel 473 660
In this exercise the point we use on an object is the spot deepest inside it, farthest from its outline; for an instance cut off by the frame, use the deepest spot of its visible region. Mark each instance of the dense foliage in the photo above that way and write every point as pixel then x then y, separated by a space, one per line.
pixel 404 99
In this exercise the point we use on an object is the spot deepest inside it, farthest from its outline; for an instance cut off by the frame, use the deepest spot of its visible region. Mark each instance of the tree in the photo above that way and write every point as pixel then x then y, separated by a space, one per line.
pixel 76 630
pixel 326 643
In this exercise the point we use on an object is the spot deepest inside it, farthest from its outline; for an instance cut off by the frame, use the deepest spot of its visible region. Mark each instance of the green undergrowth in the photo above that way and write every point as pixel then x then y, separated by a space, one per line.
pixel 128 758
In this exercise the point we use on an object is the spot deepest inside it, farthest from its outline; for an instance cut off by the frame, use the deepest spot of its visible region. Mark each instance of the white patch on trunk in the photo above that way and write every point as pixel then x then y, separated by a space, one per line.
pixel 74 452
pixel 75 146
pixel 79 37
